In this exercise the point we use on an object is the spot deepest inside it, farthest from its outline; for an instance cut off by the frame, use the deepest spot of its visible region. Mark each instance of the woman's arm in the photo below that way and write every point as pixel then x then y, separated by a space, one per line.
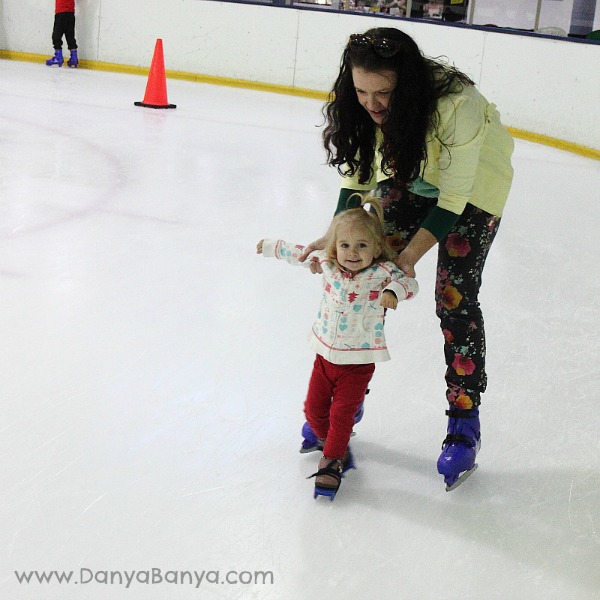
pixel 421 243
pixel 461 130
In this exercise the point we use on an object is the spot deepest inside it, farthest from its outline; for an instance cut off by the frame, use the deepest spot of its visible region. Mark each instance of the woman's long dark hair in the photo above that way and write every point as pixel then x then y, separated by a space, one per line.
pixel 349 136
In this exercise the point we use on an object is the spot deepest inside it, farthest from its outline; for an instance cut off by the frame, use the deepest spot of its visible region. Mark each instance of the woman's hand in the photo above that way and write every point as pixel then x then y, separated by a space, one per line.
pixel 259 247
pixel 316 245
pixel 421 243
pixel 319 244
pixel 406 263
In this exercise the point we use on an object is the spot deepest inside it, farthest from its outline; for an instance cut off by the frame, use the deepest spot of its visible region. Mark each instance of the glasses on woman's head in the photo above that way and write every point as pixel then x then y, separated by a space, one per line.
pixel 383 47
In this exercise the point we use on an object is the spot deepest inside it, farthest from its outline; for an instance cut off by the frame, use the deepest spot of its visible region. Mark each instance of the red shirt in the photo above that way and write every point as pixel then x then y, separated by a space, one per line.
pixel 65 6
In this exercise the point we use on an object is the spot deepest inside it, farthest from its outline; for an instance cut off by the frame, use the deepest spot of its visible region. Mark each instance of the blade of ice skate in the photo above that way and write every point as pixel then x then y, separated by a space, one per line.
pixel 462 478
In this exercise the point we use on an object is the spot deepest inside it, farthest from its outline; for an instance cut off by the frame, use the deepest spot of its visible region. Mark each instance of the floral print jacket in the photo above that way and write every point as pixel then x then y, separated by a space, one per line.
pixel 349 325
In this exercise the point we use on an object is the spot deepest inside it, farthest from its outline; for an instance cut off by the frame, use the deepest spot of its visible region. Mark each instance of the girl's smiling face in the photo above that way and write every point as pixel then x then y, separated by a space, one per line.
pixel 374 91
pixel 355 250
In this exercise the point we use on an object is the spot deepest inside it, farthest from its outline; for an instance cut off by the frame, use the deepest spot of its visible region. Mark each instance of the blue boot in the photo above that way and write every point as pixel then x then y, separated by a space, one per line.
pixel 73 60
pixel 330 473
pixel 360 412
pixel 459 449
pixel 311 442
pixel 57 59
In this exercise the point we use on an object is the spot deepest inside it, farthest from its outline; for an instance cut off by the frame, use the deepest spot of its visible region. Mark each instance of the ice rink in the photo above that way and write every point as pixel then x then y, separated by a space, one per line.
pixel 153 367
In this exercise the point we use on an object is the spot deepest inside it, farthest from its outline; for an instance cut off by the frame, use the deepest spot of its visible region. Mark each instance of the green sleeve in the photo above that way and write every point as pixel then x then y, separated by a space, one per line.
pixel 345 202
pixel 439 222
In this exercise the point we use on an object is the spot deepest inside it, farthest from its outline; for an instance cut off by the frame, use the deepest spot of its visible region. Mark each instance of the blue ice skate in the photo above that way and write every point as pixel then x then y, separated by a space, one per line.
pixel 311 442
pixel 73 60
pixel 334 469
pixel 56 60
pixel 459 449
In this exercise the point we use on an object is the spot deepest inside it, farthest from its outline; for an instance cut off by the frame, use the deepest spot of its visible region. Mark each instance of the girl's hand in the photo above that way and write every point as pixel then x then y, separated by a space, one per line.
pixel 259 247
pixel 389 300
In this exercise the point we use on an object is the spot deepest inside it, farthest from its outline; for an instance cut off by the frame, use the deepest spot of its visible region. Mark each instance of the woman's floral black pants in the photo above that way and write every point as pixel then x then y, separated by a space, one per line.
pixel 461 258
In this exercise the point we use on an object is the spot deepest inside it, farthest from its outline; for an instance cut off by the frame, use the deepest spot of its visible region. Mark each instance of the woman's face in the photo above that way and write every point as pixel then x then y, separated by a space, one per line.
pixel 374 90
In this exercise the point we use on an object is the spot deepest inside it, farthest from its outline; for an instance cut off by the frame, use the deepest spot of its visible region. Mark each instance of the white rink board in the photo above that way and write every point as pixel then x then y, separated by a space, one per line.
pixel 539 83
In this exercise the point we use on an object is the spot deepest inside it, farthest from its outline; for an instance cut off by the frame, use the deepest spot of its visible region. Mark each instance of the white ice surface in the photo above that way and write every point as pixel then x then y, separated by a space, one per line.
pixel 153 367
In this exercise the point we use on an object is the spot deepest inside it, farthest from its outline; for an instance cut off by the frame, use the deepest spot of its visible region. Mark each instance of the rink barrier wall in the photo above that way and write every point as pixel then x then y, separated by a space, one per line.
pixel 280 89
pixel 553 92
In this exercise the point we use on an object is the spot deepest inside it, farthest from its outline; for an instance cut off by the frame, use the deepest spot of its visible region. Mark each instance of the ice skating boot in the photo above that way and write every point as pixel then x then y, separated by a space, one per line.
pixel 330 473
pixel 459 449
pixel 360 413
pixel 311 442
pixel 56 60
pixel 73 60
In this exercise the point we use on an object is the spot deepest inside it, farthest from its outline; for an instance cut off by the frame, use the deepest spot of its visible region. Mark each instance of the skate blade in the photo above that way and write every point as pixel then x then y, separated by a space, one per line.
pixel 307 449
pixel 324 492
pixel 461 479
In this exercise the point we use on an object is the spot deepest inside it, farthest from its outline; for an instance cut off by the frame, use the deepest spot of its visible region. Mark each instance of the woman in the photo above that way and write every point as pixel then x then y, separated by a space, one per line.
pixel 417 131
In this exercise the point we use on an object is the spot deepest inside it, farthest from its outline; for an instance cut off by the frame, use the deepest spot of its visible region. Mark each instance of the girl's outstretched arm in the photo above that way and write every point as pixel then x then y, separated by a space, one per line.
pixel 285 251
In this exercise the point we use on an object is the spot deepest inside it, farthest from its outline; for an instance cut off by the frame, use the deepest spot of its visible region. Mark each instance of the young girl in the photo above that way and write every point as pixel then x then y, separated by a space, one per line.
pixel 359 283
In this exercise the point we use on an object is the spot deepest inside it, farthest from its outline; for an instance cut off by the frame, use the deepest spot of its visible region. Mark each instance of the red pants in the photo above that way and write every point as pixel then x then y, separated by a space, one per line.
pixel 334 394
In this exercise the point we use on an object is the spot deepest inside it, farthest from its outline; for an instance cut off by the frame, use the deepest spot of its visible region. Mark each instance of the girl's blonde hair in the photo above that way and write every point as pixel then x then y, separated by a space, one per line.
pixel 365 219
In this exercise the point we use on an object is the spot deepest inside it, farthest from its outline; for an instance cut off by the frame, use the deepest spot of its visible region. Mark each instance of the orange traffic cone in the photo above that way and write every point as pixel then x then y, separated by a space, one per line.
pixel 156 88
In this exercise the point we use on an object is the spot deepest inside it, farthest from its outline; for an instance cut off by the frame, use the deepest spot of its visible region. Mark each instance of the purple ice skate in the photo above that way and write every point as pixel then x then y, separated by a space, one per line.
pixel 459 449
pixel 311 442
pixel 73 60
pixel 335 468
pixel 57 60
